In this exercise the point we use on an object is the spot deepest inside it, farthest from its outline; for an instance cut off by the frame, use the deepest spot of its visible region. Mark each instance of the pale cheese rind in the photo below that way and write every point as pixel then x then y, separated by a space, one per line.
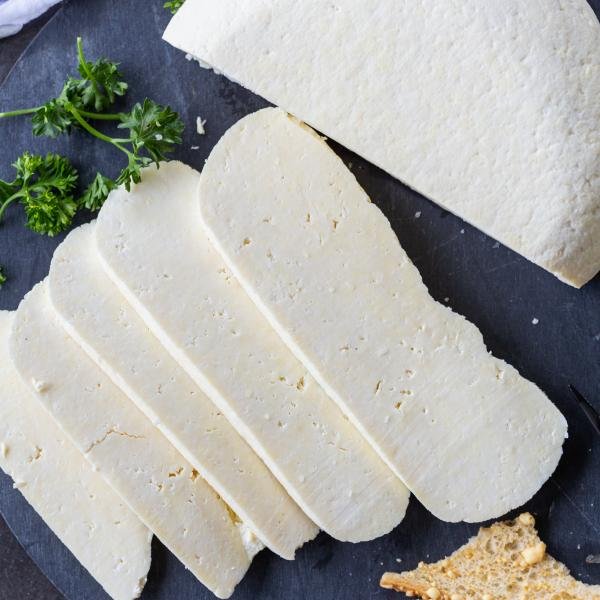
pixel 151 477
pixel 84 512
pixel 190 300
pixel 98 317
pixel 468 435
pixel 491 109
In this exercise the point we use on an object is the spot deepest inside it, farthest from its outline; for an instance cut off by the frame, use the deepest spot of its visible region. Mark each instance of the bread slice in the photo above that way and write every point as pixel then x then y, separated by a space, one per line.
pixel 506 561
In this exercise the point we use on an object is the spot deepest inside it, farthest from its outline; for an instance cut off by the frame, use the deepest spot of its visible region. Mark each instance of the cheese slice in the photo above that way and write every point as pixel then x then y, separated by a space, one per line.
pixel 153 246
pixel 468 436
pixel 490 109
pixel 97 316
pixel 155 481
pixel 103 534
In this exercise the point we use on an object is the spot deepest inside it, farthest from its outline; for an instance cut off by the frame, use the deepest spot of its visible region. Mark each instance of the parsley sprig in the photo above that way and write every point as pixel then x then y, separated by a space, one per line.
pixel 46 186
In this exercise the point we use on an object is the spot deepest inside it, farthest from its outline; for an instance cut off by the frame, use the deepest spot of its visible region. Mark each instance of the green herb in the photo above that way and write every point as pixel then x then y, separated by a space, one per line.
pixel 99 86
pixel 174 5
pixel 46 186
pixel 2 277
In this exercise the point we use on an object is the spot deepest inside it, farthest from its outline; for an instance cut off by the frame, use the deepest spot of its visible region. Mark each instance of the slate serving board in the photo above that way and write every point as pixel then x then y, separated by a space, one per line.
pixel 493 287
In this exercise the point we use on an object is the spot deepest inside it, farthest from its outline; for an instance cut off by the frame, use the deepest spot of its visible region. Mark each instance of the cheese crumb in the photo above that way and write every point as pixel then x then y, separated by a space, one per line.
pixel 200 123
pixel 462 231
pixel 194 147
pixel 39 386
pixel 418 214
pixel 535 321
pixel 535 554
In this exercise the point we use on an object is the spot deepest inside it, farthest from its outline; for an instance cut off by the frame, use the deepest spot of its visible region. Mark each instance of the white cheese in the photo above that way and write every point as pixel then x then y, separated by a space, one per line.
pixel 154 480
pixel 86 514
pixel 96 315
pixel 469 436
pixel 152 244
pixel 200 123
pixel 491 109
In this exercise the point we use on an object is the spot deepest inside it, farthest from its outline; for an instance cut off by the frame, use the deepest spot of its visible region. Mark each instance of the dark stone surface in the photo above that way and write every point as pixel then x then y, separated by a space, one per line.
pixel 493 287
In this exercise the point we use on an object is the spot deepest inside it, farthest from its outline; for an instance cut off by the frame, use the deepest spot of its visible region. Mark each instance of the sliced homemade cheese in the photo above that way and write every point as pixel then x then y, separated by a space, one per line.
pixel 157 483
pixel 491 109
pixel 84 512
pixel 152 243
pixel 467 435
pixel 98 317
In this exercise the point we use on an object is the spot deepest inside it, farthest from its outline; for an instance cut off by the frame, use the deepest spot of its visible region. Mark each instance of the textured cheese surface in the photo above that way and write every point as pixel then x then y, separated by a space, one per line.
pixel 103 534
pixel 469 436
pixel 157 483
pixel 491 109
pixel 188 297
pixel 94 312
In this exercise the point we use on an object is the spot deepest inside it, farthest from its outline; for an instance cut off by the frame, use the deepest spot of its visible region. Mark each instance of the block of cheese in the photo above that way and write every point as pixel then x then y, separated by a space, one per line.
pixel 97 316
pixel 153 479
pixel 467 435
pixel 84 512
pixel 490 109
pixel 153 246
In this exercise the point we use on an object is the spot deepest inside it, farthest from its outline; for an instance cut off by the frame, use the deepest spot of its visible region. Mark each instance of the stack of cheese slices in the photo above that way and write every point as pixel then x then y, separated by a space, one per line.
pixel 244 357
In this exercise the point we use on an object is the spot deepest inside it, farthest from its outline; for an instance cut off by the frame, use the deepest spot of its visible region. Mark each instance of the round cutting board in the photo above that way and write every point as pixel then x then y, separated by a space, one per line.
pixel 546 329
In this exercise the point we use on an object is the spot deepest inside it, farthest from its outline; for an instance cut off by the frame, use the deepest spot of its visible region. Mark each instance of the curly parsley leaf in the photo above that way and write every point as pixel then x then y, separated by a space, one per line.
pixel 44 185
pixel 102 82
pixel 153 128
pixel 47 186
pixel 51 120
pixel 173 5
pixel 97 192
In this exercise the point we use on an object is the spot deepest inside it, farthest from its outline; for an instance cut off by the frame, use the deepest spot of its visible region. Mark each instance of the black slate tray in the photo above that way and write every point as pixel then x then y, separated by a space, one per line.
pixel 493 287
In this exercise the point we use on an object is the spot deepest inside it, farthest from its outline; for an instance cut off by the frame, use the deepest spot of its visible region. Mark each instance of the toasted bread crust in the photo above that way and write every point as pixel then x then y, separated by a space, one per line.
pixel 506 561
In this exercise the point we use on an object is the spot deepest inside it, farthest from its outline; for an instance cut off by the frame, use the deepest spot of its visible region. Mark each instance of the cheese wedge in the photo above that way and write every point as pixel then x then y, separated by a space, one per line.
pixel 490 109
pixel 103 534
pixel 156 482
pixel 97 316
pixel 467 435
pixel 153 246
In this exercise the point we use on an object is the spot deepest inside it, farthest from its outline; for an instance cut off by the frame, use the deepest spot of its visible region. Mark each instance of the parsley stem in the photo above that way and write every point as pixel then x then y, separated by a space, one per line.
pixel 100 116
pixel 8 202
pixel 84 65
pixel 94 131
pixel 18 113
